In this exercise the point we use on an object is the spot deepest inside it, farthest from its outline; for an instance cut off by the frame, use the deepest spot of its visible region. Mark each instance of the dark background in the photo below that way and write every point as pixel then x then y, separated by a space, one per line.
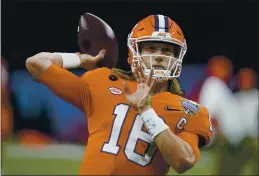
pixel 210 28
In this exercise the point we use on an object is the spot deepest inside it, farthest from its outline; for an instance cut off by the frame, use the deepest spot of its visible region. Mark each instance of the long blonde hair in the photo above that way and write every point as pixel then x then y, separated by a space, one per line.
pixel 174 87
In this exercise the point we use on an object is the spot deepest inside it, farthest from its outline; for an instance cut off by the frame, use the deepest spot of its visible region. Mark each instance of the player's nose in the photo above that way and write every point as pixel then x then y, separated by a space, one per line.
pixel 159 59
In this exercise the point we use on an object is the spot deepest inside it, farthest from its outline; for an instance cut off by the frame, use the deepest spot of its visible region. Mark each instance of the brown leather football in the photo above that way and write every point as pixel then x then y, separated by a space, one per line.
pixel 95 34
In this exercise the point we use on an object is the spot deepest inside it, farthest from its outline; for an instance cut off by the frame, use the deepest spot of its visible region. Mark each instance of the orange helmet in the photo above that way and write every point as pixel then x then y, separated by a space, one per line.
pixel 246 78
pixel 162 29
pixel 220 66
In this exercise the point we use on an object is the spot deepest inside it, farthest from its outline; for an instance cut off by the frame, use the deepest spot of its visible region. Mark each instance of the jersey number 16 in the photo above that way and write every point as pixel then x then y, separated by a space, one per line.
pixel 136 133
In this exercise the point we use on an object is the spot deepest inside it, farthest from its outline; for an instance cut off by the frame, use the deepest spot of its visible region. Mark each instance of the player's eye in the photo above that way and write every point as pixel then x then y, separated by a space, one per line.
pixel 168 51
pixel 151 48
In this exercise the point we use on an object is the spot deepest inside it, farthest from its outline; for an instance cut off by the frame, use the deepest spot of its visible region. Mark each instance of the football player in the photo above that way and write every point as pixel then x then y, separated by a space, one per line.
pixel 138 121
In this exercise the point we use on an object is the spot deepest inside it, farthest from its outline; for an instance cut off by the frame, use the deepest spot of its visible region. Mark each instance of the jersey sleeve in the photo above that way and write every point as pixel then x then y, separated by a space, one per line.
pixel 68 86
pixel 193 140
pixel 200 124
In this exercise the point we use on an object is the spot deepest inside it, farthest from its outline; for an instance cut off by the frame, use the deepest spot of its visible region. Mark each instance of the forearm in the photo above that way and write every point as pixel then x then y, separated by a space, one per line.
pixel 178 153
pixel 175 151
pixel 41 62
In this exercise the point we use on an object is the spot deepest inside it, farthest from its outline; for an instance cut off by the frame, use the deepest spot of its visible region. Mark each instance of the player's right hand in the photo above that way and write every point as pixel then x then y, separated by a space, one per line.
pixel 141 98
pixel 89 62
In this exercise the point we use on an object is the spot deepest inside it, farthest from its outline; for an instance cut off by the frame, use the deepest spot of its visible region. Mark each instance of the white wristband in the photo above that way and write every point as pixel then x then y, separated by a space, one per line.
pixel 70 60
pixel 153 123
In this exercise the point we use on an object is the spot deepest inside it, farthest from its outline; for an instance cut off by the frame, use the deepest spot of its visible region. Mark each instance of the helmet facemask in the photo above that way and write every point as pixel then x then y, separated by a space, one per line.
pixel 169 71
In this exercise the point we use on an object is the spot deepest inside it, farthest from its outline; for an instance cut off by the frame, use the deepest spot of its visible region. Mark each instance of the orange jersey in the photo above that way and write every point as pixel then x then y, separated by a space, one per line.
pixel 118 141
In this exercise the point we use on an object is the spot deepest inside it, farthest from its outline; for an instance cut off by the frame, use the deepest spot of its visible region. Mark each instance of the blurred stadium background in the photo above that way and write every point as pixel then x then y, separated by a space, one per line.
pixel 41 134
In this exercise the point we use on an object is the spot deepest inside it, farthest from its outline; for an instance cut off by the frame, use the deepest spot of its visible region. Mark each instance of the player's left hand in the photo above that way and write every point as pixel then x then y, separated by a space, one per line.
pixel 141 98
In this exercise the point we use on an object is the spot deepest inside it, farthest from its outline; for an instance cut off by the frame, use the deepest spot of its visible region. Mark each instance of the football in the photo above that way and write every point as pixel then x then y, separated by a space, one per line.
pixel 95 34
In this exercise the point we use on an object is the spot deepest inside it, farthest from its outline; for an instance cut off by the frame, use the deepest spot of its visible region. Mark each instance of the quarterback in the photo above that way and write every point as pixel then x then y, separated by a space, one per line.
pixel 139 123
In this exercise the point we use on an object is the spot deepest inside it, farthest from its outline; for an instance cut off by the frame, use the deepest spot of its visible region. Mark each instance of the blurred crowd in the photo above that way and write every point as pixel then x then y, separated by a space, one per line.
pixel 232 100
pixel 234 113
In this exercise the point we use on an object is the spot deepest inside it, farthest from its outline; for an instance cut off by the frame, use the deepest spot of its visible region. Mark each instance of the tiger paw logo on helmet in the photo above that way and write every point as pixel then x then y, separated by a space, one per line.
pixel 162 34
